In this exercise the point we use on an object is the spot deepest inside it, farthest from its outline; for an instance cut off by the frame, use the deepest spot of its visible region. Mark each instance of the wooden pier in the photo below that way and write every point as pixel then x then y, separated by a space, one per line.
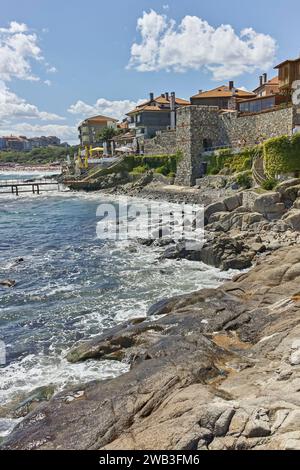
pixel 26 186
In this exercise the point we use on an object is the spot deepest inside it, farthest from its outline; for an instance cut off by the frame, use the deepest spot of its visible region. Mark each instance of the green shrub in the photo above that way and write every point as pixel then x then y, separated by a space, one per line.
pixel 269 184
pixel 235 162
pixel 139 169
pixel 282 155
pixel 244 179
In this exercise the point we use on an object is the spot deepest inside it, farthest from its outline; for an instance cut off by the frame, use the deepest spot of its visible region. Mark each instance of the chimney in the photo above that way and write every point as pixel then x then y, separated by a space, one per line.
pixel 151 96
pixel 167 95
pixel 163 95
pixel 200 91
pixel 261 81
pixel 265 77
pixel 231 85
pixel 173 111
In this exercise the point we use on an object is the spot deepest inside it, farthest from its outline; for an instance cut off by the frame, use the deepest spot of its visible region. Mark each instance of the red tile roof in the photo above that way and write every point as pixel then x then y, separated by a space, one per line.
pixel 223 92
pixel 160 100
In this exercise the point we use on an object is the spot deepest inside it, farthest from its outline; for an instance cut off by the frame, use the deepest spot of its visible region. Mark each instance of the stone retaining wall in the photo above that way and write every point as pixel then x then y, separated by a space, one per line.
pixel 162 144
pixel 199 125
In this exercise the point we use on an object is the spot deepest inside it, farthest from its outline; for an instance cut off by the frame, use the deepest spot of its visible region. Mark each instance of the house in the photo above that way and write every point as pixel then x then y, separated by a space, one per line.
pixel 2 143
pixel 91 127
pixel 43 141
pixel 156 114
pixel 221 97
pixel 288 72
pixel 259 104
pixel 15 143
pixel 267 87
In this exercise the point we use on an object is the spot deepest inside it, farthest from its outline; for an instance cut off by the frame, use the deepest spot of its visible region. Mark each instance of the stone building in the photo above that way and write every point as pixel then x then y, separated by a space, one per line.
pixel 201 128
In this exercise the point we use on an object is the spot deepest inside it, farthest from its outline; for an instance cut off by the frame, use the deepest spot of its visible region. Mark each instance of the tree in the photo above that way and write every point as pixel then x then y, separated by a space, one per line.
pixel 106 134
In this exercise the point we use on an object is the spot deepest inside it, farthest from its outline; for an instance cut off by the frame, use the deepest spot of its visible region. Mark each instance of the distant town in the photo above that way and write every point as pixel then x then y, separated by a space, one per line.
pixel 23 144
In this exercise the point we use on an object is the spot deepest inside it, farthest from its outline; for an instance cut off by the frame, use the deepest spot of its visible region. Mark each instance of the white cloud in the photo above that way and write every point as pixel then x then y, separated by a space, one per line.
pixel 18 49
pixel 14 27
pixel 115 109
pixel 64 132
pixel 13 107
pixel 51 69
pixel 194 44
pixel 166 7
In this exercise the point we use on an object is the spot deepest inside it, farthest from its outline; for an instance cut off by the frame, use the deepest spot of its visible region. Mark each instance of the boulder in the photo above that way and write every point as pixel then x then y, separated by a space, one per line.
pixel 292 219
pixel 281 187
pixel 269 205
pixel 7 283
pixel 289 195
pixel 296 204
pixel 250 219
pixel 233 202
pixel 249 198
pixel 212 209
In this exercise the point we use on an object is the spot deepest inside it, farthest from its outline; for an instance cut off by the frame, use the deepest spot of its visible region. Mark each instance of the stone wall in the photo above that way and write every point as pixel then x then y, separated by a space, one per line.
pixel 255 128
pixel 195 124
pixel 198 125
pixel 161 144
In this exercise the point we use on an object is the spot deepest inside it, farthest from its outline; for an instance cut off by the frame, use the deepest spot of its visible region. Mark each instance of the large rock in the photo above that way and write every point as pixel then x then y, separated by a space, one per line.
pixel 292 218
pixel 289 195
pixel 269 205
pixel 249 198
pixel 282 187
pixel 233 202
pixel 222 252
pixel 212 209
pixel 7 283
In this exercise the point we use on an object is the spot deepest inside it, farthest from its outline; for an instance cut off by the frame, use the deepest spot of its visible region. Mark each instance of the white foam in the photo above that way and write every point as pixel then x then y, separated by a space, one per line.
pixel 35 371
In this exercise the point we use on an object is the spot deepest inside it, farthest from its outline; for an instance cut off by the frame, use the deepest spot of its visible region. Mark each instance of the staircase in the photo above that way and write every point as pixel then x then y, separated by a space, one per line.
pixel 101 171
pixel 258 171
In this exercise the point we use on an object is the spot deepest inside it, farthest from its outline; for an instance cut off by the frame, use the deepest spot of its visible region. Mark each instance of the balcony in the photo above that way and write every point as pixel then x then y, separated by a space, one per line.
pixel 132 125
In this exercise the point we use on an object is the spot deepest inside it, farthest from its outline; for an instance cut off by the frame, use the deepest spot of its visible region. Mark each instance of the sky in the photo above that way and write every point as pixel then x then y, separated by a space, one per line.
pixel 64 60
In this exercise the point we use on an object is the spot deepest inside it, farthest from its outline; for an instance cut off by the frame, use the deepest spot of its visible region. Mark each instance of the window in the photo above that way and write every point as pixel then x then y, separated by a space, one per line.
pixel 257 105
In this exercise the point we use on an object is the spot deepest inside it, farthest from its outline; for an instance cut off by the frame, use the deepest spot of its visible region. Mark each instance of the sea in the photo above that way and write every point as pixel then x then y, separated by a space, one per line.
pixel 72 285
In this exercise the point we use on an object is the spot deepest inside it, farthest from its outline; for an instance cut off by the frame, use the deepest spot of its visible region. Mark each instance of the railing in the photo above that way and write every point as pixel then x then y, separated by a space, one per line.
pixel 26 186
pixel 25 181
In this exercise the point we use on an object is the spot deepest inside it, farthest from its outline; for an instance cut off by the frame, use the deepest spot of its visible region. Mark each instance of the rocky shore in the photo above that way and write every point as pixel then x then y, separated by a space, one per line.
pixel 215 369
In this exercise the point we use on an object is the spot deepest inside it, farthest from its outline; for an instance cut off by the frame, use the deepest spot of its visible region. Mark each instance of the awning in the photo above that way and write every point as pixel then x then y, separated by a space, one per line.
pixel 97 149
pixel 124 149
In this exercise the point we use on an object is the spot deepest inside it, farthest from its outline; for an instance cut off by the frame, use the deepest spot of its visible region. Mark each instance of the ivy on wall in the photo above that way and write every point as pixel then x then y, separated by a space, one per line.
pixel 282 155
pixel 234 162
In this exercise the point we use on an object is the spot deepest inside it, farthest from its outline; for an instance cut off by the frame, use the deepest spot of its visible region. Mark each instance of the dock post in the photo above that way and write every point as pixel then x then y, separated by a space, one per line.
pixel 33 191
pixel 17 191
pixel 38 188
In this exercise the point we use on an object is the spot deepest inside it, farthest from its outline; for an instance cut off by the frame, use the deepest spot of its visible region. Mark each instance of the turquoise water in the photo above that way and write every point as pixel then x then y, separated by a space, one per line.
pixel 71 286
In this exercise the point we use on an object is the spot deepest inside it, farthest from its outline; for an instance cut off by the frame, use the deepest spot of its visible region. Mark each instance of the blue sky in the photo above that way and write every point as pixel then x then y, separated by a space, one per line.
pixel 85 48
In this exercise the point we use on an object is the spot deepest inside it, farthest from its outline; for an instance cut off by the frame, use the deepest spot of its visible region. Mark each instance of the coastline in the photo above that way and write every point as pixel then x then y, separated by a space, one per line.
pixel 208 374
pixel 14 168
pixel 197 360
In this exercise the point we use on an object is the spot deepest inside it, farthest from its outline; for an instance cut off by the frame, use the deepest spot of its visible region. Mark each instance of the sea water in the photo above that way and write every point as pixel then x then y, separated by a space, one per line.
pixel 71 286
